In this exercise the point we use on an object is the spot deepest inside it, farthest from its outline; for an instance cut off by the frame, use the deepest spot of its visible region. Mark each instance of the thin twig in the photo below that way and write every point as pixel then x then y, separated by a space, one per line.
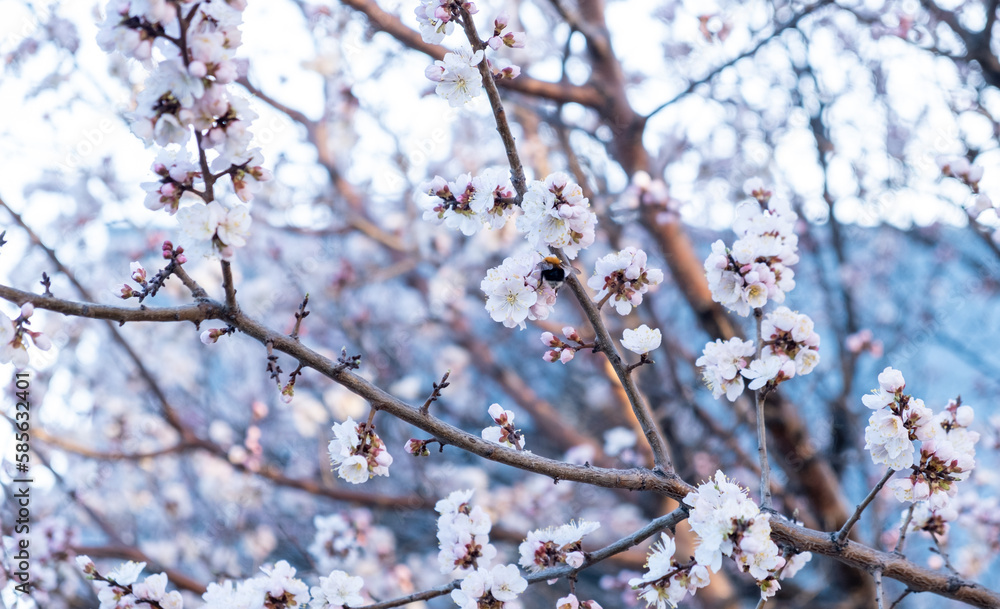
pixel 791 23
pixel 436 393
pixel 759 397
pixel 299 316
pixel 591 558
pixel 845 530
pixel 196 290
pixel 902 531
pixel 905 593
pixel 939 549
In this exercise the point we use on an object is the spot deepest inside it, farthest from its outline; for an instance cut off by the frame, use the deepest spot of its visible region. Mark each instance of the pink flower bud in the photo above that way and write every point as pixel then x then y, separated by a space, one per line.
pixel 510 72
pixel 514 40
pixel 198 69
pixel 27 309
pixel 567 355
pixel 551 356
pixel 168 190
pixel 138 273
pixel 498 413
pixel 127 292
pixel 210 336
pixel 501 21
pixel 570 333
pixel 434 73
pixel 549 339
pixel 41 341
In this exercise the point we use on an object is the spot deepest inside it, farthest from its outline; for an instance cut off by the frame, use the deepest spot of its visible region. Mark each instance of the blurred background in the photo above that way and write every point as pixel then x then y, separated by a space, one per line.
pixel 842 108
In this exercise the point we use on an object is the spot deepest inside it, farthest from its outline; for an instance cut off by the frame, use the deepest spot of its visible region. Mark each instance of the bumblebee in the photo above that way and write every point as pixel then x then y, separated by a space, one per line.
pixel 554 272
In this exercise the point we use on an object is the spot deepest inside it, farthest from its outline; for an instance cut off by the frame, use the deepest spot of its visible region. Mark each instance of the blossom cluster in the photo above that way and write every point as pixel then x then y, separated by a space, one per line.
pixel 215 229
pixel 490 588
pixel 729 523
pixel 722 363
pixel 544 548
pixel 556 214
pixel 468 204
pixel 755 270
pixel 504 431
pixel 359 452
pixel 14 335
pixel 947 447
pixel 463 535
pixel 120 588
pixel 276 587
pixel 623 278
pixel 187 92
pixel 667 582
pixel 790 346
pixel 459 80
pixel 895 422
pixel 515 291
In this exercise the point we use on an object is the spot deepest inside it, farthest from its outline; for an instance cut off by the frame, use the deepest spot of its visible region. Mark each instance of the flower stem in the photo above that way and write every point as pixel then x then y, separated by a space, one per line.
pixel 846 529
pixel 759 397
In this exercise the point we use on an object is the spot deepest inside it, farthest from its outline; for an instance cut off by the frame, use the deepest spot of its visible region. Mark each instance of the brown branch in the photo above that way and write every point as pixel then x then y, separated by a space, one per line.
pixel 661 452
pixel 591 558
pixel 668 484
pixel 195 313
pixel 391 24
pixel 499 114
pixel 227 283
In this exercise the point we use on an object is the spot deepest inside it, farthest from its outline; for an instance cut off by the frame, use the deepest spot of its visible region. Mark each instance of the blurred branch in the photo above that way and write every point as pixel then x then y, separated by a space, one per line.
pixel 778 30
pixel 316 135
pixel 562 92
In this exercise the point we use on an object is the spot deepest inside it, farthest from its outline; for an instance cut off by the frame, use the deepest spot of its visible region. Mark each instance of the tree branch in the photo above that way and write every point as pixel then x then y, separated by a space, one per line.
pixel 802 539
